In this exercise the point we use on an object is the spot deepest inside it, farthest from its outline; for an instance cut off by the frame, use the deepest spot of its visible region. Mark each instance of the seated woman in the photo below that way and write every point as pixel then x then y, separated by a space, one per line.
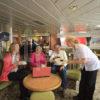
pixel 11 60
pixel 11 71
pixel 58 65
pixel 38 58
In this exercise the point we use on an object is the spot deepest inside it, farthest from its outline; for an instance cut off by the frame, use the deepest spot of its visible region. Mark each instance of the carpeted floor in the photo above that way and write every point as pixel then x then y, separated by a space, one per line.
pixel 13 93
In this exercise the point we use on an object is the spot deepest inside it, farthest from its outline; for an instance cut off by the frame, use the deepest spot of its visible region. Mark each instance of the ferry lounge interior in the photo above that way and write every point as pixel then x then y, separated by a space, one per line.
pixel 47 23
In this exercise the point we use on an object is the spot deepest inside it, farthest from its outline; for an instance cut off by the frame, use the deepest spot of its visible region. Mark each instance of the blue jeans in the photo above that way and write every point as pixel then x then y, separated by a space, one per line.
pixel 63 74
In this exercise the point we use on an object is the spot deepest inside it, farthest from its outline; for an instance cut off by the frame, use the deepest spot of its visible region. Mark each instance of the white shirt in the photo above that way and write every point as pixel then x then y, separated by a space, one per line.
pixel 15 59
pixel 82 51
pixel 61 54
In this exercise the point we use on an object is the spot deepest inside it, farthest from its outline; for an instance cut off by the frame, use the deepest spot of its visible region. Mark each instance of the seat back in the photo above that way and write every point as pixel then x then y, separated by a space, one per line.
pixel 49 95
pixel 1 65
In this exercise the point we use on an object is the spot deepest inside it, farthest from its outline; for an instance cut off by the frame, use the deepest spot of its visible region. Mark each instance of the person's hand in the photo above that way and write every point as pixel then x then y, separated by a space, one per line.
pixel 61 68
pixel 67 61
pixel 14 65
pixel 22 63
pixel 56 57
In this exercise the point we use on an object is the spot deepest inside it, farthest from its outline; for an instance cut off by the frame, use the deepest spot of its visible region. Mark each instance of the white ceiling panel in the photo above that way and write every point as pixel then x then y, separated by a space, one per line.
pixel 63 4
pixel 34 13
pixel 18 8
pixel 17 15
pixel 49 14
pixel 35 8
pixel 92 16
pixel 48 7
pixel 85 9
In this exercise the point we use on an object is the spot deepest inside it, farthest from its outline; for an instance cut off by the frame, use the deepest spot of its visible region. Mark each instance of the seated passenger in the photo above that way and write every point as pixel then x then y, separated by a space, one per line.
pixel 38 58
pixel 11 60
pixel 12 72
pixel 58 59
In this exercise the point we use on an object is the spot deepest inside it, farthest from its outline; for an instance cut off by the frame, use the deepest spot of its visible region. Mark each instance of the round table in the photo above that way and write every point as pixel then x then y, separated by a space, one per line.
pixel 42 84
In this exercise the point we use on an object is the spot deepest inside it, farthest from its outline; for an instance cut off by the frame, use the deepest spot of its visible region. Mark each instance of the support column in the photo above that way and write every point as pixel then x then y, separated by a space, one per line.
pixel 1 27
pixel 9 29
pixel 53 36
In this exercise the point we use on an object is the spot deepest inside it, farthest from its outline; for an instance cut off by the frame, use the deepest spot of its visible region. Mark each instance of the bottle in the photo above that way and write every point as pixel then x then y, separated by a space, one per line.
pixel 77 85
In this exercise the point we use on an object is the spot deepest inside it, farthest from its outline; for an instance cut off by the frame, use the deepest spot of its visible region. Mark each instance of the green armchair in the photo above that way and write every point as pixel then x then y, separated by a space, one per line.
pixel 73 75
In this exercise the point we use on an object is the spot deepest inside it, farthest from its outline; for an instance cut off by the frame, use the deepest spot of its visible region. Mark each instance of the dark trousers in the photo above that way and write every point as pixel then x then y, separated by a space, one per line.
pixel 62 73
pixel 87 85
pixel 19 76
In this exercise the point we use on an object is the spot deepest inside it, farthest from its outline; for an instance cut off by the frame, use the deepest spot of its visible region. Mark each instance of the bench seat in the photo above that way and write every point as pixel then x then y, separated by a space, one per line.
pixel 3 85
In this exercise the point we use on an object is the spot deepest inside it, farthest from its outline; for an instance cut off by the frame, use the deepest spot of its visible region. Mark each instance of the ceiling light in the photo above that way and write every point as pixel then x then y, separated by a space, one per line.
pixel 73 7
pixel 97 25
pixel 35 31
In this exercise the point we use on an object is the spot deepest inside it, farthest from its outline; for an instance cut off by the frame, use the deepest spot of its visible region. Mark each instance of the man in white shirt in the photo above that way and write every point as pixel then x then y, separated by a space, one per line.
pixel 90 65
pixel 58 57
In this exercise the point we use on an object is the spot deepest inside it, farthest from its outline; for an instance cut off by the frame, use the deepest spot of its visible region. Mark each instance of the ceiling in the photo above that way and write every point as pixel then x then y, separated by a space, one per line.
pixel 49 15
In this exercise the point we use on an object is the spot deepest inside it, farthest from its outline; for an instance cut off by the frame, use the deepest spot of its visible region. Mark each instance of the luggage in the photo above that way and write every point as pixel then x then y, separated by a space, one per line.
pixel 41 71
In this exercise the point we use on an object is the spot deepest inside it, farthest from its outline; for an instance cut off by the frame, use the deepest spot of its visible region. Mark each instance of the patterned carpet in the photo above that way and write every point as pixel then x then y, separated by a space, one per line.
pixel 12 92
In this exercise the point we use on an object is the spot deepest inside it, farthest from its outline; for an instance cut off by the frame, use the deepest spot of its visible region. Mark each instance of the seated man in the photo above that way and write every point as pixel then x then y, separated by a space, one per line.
pixel 58 59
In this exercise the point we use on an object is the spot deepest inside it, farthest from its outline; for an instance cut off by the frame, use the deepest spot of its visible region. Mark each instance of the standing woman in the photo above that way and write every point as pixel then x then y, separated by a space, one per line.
pixel 90 65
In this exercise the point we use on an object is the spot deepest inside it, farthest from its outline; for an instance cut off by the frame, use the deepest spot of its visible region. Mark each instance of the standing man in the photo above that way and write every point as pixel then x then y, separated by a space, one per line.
pixel 90 65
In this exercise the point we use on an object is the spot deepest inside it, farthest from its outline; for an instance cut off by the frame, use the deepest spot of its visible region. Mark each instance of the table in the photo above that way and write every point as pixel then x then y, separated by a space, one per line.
pixel 43 83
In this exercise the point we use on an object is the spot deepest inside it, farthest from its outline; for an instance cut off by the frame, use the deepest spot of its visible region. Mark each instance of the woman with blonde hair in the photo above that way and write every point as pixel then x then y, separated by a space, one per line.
pixel 90 65
pixel 10 60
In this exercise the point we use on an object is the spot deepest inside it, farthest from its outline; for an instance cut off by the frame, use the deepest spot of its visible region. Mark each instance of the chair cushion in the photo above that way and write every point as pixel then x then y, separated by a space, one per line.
pixel 42 96
pixel 69 93
pixel 1 65
pixel 4 85
pixel 74 74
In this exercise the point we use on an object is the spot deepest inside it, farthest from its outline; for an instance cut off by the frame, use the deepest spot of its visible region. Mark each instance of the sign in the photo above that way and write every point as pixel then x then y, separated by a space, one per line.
pixel 0 45
pixel 4 36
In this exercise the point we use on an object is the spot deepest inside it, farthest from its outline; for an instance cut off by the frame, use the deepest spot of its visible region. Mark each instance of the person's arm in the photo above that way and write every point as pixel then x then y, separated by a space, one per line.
pixel 77 61
pixel 32 60
pixel 52 58
pixel 44 59
pixel 65 56
pixel 80 57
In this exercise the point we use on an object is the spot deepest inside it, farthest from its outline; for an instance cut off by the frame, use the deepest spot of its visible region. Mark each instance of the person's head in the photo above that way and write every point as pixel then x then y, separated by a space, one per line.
pixel 71 41
pixel 57 47
pixel 29 41
pixel 14 48
pixel 38 49
pixel 33 40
